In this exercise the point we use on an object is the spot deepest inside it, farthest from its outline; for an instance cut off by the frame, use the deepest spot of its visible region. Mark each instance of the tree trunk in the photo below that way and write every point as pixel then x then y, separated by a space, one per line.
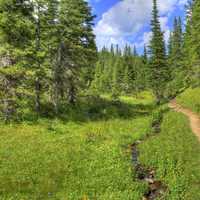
pixel 57 79
pixel 8 102
pixel 55 97
pixel 37 79
pixel 72 94
pixel 37 95
pixel 7 113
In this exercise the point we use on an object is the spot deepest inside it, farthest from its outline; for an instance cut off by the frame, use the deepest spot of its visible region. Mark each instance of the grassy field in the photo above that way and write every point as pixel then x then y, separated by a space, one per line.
pixel 175 154
pixel 84 156
pixel 190 99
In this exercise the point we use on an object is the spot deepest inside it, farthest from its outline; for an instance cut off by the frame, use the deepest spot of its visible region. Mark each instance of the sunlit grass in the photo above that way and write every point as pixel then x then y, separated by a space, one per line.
pixel 86 155
pixel 190 99
pixel 175 154
pixel 58 159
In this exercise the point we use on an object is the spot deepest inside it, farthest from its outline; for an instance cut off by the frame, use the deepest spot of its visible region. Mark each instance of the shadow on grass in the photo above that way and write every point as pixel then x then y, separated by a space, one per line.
pixel 91 108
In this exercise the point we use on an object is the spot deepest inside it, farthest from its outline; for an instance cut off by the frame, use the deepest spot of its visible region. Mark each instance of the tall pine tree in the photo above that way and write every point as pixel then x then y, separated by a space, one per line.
pixel 187 45
pixel 194 49
pixel 16 25
pixel 158 65
pixel 175 59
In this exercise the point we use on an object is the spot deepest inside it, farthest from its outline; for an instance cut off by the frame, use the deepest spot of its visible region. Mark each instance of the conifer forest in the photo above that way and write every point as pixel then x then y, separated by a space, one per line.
pixel 83 120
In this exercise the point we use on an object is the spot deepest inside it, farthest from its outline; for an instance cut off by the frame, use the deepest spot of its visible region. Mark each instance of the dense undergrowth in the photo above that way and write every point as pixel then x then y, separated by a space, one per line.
pixel 89 108
pixel 190 99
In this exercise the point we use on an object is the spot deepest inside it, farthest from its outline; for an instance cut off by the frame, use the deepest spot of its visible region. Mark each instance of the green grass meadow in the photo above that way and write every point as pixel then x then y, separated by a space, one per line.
pixel 175 154
pixel 69 160
pixel 86 155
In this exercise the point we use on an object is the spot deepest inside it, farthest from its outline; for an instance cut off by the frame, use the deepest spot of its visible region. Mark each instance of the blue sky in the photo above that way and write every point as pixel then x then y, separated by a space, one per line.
pixel 127 21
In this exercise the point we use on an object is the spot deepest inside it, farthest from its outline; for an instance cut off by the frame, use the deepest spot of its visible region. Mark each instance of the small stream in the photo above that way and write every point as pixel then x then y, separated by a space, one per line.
pixel 156 189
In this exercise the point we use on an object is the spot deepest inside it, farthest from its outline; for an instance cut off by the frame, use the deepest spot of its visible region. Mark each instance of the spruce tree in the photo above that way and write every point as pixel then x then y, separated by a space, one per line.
pixel 159 69
pixel 145 66
pixel 187 45
pixel 39 52
pixel 176 42
pixel 115 86
pixel 126 80
pixel 145 56
pixel 194 49
pixel 169 47
pixel 135 51
pixel 129 68
pixel 97 86
pixel 72 49
pixel 16 25
pixel 77 42
pixel 175 59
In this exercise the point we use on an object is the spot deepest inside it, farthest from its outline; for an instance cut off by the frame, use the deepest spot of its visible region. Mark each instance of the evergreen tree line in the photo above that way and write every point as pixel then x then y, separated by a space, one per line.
pixel 119 71
pixel 47 50
pixel 166 69
pixel 191 45
pixel 177 67
pixel 184 51
pixel 48 54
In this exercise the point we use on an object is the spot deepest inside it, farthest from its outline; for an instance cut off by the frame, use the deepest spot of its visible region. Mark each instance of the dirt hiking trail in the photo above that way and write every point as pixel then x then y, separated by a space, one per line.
pixel 194 118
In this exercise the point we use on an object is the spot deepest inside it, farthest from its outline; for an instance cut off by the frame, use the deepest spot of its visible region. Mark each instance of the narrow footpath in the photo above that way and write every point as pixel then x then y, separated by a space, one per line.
pixel 194 118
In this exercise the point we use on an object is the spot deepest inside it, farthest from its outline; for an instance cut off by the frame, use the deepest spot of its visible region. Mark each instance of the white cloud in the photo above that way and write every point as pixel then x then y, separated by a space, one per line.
pixel 124 17
pixel 144 40
pixel 96 1
pixel 128 17
pixel 165 27
pixel 183 2
pixel 107 41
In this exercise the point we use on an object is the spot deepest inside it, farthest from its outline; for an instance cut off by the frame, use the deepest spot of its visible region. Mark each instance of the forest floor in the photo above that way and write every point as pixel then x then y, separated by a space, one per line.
pixel 194 118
